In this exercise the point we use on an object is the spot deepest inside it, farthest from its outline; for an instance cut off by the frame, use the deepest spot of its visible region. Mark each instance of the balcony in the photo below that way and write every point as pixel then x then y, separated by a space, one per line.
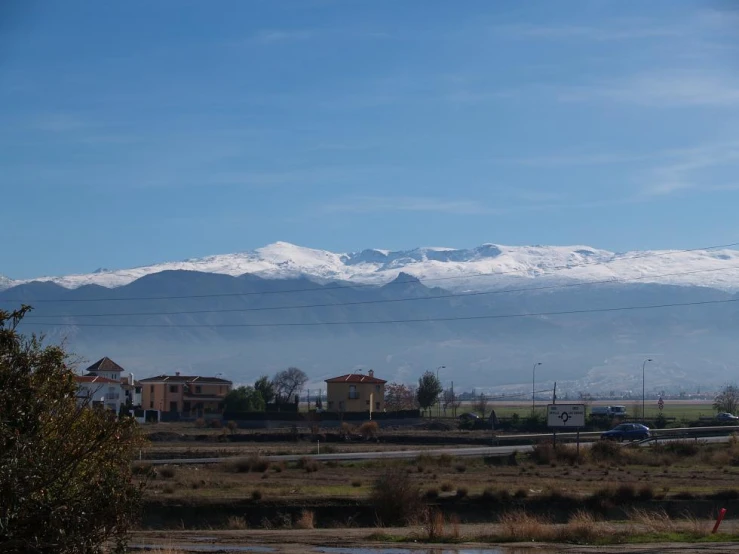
pixel 112 396
pixel 353 396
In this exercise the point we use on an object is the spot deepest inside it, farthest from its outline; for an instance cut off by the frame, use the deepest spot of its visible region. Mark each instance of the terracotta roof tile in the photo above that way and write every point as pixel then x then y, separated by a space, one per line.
pixel 94 379
pixel 356 378
pixel 105 364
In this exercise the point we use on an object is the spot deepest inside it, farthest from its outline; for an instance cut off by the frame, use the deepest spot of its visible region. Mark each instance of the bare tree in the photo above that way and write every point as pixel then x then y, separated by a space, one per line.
pixel 727 400
pixel 399 396
pixel 450 401
pixel 289 382
pixel 481 404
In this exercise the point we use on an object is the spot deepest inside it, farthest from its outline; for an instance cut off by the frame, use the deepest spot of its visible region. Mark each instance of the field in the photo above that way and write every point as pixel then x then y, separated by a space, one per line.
pixel 679 409
pixel 678 487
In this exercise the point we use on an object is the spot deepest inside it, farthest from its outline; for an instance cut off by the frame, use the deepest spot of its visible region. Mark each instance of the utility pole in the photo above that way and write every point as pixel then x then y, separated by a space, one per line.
pixel 533 389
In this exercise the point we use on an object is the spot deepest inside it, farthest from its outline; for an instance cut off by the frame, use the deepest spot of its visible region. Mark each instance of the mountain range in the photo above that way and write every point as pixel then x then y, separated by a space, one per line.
pixel 487 314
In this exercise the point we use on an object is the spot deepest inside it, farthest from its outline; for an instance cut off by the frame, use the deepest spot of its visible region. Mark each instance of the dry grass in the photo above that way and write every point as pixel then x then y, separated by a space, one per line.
pixel 396 497
pixel 437 528
pixel 658 522
pixel 306 520
pixel 236 523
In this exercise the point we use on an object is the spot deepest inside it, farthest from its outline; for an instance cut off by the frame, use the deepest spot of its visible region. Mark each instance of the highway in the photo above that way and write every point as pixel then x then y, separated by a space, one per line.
pixel 661 436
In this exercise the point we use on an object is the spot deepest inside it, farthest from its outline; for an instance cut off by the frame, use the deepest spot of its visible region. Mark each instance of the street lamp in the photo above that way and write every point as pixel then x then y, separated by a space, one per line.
pixel 533 388
pixel 438 400
pixel 643 413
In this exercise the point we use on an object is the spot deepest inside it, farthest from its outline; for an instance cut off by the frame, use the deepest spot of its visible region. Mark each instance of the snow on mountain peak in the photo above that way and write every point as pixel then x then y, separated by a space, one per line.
pixel 488 266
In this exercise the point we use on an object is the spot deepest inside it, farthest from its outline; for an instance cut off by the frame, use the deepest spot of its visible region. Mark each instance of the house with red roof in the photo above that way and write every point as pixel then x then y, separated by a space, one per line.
pixel 355 392
pixel 97 389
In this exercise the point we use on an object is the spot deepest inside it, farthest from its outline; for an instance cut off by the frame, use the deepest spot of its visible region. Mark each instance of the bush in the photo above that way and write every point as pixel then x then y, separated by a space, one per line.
pixel 256 494
pixel 447 487
pixel 65 470
pixel 369 429
pixel 396 497
pixel 167 472
pixel 356 483
pixel 645 493
pixel 462 492
pixel 605 451
pixel 308 464
pixel 232 426
pixel 244 465
pixel 200 422
pixel 461 468
pixel 432 494
pixel 215 424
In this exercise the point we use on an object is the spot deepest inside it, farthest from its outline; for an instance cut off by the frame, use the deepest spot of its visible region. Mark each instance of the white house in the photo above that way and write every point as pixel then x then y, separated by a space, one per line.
pixel 93 388
pixel 130 388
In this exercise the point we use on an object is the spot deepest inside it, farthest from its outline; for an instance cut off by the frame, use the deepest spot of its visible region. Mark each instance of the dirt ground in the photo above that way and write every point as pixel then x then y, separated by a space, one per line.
pixel 302 541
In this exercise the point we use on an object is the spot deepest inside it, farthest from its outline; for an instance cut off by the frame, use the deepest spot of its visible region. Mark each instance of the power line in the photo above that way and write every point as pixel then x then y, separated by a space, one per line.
pixel 362 285
pixel 393 321
pixel 385 301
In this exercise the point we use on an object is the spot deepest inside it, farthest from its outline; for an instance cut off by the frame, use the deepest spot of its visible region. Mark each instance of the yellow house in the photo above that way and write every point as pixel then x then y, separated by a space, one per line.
pixel 355 392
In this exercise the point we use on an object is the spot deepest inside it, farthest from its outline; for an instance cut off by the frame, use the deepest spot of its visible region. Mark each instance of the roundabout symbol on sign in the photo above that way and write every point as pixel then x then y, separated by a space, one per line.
pixel 564 416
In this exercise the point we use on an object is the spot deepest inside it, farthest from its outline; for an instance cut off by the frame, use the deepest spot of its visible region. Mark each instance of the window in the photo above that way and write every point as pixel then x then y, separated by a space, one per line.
pixel 151 404
pixel 331 404
pixel 353 394
pixel 198 389
pixel 151 389
pixel 377 405
pixel 367 402
pixel 377 388
pixel 173 388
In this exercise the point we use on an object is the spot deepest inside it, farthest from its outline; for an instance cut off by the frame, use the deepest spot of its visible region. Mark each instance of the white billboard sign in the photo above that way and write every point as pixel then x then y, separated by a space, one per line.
pixel 566 415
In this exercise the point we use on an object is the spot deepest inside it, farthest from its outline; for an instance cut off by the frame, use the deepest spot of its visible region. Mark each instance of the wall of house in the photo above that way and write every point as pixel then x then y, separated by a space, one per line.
pixel 167 395
pixel 355 399
pixel 110 393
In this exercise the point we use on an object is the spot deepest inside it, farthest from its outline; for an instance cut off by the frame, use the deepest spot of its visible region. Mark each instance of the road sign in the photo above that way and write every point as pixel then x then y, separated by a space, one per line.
pixel 661 404
pixel 566 415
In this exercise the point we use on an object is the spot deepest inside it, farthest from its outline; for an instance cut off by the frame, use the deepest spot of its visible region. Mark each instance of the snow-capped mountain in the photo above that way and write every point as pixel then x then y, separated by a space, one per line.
pixel 486 267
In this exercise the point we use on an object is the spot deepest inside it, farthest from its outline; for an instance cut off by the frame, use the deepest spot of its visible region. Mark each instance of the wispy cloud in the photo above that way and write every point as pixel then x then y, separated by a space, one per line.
pixel 613 32
pixel 695 168
pixel 662 89
pixel 369 204
pixel 273 36
pixel 573 159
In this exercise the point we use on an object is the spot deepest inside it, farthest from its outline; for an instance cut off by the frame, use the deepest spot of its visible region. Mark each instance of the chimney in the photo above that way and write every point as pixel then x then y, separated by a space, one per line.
pixel 371 372
pixel 177 373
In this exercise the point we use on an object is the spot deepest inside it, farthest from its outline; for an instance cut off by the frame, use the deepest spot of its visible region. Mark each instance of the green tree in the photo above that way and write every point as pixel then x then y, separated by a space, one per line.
pixel 429 389
pixel 727 400
pixel 244 399
pixel 266 388
pixel 65 467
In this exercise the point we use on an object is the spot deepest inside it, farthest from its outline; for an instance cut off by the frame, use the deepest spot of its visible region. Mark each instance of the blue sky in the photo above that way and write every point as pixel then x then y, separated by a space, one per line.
pixel 136 132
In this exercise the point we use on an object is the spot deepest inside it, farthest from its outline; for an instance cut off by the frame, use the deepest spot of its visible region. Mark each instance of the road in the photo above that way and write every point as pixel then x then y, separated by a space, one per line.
pixel 663 435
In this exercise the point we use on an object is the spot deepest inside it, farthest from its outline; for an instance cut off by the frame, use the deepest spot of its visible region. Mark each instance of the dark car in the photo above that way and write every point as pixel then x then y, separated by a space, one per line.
pixel 726 416
pixel 627 431
pixel 469 416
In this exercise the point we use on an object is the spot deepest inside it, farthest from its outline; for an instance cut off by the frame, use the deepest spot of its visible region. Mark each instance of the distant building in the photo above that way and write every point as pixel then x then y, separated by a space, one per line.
pixel 186 395
pixel 355 392
pixel 95 389
pixel 104 384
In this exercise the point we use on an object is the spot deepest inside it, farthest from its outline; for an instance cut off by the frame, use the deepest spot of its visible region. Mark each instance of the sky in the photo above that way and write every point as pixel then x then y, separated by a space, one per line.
pixel 139 132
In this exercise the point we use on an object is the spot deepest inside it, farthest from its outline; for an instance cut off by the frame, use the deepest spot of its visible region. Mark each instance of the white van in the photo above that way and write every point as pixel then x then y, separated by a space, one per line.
pixel 608 411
